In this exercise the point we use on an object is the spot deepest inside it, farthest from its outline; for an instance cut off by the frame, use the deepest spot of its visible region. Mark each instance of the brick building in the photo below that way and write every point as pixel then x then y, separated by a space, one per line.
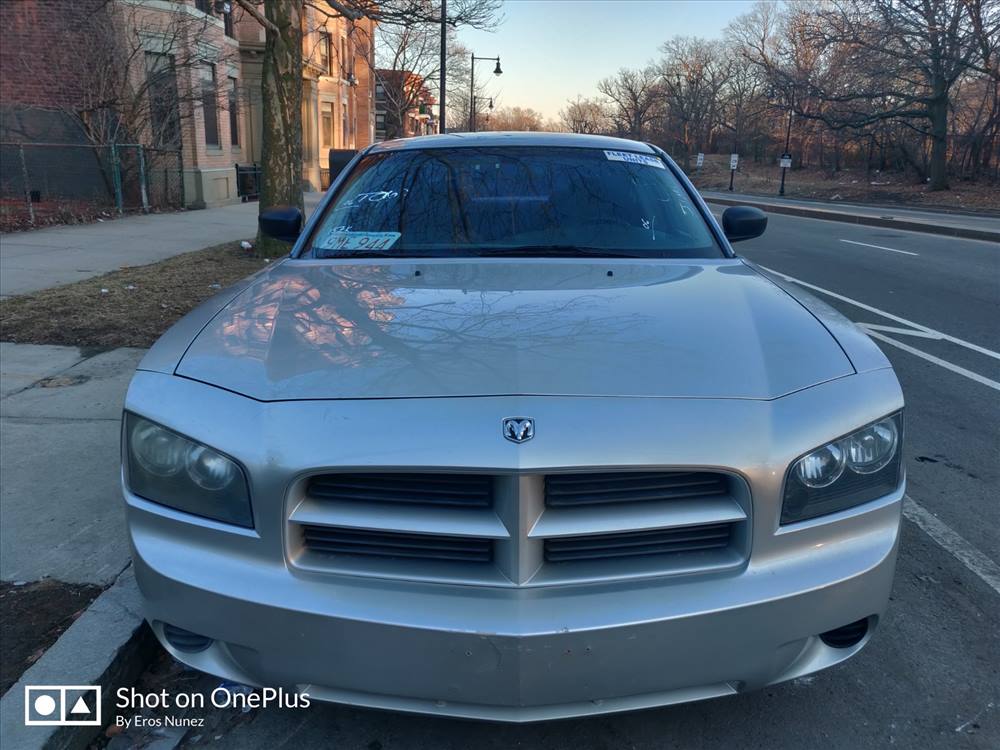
pixel 404 106
pixel 191 83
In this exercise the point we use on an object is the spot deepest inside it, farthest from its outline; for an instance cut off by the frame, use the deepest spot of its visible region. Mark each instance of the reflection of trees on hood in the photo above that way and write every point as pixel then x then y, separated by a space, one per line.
pixel 337 317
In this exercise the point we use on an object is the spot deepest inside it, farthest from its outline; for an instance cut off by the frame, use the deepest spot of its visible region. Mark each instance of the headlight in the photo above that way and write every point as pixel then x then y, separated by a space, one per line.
pixel 172 470
pixel 855 469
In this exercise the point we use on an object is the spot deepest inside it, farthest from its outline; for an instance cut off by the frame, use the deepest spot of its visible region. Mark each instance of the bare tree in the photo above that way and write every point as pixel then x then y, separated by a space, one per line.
pixel 693 74
pixel 633 96
pixel 905 56
pixel 129 90
pixel 515 118
pixel 585 116
pixel 407 59
pixel 281 157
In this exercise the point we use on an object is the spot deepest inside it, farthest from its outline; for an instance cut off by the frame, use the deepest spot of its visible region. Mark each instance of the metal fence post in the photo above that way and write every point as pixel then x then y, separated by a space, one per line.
pixel 27 190
pixel 117 175
pixel 142 179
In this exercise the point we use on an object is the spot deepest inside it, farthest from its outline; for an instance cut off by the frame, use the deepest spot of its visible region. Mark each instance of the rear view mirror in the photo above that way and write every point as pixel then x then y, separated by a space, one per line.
pixel 339 158
pixel 283 223
pixel 743 223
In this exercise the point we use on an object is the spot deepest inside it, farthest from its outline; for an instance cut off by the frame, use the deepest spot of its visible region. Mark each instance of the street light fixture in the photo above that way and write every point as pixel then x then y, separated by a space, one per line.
pixel 472 88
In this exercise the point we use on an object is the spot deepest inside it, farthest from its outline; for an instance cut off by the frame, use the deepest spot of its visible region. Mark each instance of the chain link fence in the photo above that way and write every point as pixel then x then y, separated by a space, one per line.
pixel 60 183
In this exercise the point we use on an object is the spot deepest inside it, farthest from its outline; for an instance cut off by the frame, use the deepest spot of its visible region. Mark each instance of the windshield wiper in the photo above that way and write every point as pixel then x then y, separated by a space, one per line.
pixel 556 251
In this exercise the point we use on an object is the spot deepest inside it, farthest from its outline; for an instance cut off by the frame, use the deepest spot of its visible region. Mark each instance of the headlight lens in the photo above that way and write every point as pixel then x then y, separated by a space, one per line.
pixel 855 469
pixel 172 470
pixel 870 449
pixel 822 467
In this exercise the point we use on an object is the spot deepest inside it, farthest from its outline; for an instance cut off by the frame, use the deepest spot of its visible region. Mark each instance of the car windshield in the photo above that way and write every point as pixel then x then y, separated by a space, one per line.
pixel 512 201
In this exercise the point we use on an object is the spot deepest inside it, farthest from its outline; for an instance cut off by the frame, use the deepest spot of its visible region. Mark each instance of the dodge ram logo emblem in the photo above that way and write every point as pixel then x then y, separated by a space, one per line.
pixel 518 429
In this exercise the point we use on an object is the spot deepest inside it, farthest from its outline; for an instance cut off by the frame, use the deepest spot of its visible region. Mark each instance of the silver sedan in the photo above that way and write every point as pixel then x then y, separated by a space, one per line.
pixel 513 434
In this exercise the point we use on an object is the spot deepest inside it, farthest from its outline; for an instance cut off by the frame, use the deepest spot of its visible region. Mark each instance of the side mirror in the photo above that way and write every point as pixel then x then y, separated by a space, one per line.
pixel 283 223
pixel 743 223
pixel 340 158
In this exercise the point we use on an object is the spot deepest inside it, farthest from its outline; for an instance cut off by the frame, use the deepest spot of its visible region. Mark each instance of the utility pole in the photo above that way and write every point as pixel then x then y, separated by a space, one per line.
pixel 444 62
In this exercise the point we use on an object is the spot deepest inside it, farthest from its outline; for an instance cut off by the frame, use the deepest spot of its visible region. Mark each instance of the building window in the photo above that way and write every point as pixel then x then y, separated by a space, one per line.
pixel 234 112
pixel 326 124
pixel 205 6
pixel 209 105
pixel 227 24
pixel 325 48
pixel 164 117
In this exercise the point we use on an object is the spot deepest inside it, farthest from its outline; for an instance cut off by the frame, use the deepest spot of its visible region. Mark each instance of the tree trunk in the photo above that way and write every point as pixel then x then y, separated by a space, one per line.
pixel 939 143
pixel 281 149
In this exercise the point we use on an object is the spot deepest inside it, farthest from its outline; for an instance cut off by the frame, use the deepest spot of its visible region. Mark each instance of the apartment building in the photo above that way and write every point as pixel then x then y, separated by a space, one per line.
pixel 338 104
pixel 176 76
pixel 404 106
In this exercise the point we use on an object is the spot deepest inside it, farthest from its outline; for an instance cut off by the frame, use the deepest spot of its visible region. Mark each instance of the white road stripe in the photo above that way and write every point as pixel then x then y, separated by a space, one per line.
pixel 936 360
pixel 902 331
pixel 881 247
pixel 884 314
pixel 951 541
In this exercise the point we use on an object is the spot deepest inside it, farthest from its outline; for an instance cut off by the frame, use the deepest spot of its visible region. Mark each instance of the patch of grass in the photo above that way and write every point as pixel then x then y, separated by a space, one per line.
pixel 129 307
pixel 848 185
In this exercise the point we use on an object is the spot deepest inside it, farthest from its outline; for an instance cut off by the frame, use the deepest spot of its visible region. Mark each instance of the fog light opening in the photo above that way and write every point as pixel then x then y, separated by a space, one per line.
pixel 846 636
pixel 185 640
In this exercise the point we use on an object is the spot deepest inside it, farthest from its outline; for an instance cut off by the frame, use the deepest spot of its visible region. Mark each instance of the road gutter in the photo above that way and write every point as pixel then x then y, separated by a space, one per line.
pixel 109 645
pixel 826 214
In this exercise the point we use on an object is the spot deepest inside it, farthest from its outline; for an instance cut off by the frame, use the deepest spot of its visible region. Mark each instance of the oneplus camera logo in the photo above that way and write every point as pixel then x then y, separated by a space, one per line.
pixel 62 705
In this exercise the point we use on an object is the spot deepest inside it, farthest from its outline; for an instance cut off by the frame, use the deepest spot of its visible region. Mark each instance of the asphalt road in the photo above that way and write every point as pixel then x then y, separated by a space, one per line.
pixel 931 676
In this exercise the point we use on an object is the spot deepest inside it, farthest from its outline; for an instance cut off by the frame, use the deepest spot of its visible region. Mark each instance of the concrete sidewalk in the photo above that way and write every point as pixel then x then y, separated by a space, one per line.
pixel 967 225
pixel 64 520
pixel 44 258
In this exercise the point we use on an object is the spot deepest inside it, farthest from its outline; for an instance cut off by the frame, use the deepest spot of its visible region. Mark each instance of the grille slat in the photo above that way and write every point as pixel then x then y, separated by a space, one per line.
pixel 568 490
pixel 334 540
pixel 461 490
pixel 633 544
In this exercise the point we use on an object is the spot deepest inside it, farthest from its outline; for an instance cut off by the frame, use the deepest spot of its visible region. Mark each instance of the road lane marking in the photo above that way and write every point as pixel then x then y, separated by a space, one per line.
pixel 951 541
pixel 884 314
pixel 882 247
pixel 902 331
pixel 931 358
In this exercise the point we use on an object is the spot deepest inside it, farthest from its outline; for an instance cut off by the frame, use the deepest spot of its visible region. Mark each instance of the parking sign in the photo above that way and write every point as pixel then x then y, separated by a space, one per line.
pixel 701 160
pixel 734 159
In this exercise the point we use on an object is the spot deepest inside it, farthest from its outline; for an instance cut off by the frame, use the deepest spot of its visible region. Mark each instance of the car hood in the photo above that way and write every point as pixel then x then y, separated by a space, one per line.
pixel 438 328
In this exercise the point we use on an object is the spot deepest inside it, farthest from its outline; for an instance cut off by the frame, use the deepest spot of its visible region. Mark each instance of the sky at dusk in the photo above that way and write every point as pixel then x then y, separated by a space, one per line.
pixel 552 50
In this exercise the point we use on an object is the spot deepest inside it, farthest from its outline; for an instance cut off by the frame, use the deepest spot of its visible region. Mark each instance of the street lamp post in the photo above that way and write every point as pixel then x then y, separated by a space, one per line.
pixel 472 87
pixel 475 105
pixel 444 61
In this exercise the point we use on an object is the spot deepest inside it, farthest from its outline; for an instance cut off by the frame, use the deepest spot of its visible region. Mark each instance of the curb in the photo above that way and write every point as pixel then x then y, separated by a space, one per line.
pixel 109 645
pixel 873 221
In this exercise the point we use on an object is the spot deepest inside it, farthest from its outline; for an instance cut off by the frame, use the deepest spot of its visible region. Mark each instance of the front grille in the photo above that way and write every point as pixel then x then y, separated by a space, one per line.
pixel 639 543
pixel 462 490
pixel 569 490
pixel 338 541
pixel 517 529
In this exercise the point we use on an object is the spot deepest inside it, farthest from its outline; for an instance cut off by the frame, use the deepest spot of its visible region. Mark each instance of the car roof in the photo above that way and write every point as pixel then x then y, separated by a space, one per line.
pixel 504 138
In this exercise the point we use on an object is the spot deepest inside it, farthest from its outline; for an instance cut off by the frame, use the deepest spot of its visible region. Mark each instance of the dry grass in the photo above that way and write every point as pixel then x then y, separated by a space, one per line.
pixel 850 186
pixel 128 307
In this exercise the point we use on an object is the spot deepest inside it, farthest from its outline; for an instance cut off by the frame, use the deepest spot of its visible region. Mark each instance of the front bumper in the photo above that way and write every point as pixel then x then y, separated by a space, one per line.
pixel 517 655
pixel 514 653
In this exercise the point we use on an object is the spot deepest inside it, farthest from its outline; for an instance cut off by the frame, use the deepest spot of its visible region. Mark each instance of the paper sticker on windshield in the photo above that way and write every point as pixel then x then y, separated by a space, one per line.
pixel 348 240
pixel 633 158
